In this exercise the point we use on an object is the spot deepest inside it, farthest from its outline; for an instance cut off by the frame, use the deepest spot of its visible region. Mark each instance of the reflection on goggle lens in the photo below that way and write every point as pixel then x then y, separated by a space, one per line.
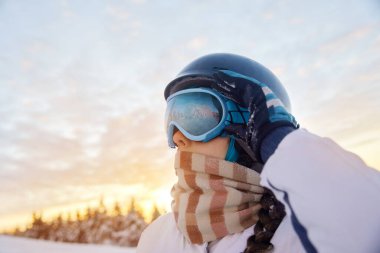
pixel 197 112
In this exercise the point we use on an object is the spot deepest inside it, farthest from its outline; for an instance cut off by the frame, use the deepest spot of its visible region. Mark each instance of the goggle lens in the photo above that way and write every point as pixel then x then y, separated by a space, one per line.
pixel 196 113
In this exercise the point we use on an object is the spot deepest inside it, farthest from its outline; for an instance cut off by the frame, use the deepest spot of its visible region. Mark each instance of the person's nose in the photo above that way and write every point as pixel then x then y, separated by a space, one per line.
pixel 180 140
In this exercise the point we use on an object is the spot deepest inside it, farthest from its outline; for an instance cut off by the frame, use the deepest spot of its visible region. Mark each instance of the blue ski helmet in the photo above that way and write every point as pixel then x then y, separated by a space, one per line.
pixel 199 73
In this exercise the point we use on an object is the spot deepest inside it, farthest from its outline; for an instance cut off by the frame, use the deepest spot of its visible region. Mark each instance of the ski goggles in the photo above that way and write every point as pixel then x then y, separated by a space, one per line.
pixel 200 114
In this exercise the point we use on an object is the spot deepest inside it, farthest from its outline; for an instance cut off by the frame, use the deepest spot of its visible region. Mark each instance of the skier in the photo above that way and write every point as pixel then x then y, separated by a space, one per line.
pixel 249 179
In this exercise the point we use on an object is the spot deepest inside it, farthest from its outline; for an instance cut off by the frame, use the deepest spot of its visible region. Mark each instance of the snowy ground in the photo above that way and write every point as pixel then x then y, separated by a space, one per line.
pixel 10 244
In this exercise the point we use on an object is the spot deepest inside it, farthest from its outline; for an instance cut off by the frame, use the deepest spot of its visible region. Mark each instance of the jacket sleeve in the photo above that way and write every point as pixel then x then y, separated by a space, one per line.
pixel 330 194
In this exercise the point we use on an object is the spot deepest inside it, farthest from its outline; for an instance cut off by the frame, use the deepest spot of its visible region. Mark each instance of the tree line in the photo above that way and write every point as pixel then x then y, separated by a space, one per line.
pixel 97 226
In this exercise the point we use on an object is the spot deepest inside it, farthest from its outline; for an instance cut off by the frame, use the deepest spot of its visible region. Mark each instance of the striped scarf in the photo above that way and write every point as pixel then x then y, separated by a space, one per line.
pixel 213 197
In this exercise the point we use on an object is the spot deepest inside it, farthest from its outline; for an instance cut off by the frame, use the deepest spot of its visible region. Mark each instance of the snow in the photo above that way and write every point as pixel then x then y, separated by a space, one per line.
pixel 11 244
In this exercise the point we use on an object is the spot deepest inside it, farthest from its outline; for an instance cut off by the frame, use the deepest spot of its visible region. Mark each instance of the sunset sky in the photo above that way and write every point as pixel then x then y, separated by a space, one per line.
pixel 81 88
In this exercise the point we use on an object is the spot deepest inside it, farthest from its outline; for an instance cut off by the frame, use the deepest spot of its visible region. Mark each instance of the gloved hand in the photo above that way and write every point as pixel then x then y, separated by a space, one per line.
pixel 267 112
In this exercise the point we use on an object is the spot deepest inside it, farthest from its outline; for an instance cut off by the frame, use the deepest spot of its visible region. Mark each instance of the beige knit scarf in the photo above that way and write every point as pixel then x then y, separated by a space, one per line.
pixel 213 197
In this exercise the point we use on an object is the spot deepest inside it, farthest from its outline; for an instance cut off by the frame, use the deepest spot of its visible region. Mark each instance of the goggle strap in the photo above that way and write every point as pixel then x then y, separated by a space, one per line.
pixel 232 155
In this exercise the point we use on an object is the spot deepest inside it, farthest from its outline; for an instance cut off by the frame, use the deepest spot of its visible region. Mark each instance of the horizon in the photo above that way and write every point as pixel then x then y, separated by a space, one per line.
pixel 70 213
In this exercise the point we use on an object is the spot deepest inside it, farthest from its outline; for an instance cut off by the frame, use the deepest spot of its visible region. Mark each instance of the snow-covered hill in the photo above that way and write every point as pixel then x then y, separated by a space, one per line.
pixel 10 244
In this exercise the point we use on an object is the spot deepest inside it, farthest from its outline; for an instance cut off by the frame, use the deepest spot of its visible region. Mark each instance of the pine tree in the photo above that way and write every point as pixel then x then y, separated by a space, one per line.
pixel 117 209
pixel 102 208
pixel 132 207
pixel 78 216
pixel 95 226
pixel 156 213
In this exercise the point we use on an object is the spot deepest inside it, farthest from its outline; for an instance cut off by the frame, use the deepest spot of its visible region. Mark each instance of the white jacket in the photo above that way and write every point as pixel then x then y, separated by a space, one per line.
pixel 331 197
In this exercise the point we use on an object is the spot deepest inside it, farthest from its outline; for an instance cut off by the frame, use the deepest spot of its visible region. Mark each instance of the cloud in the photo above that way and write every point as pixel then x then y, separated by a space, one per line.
pixel 138 1
pixel 197 43
pixel 123 22
pixel 296 21
pixel 346 41
pixel 131 150
pixel 268 15
pixel 117 12
pixel 27 65
pixel 76 130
